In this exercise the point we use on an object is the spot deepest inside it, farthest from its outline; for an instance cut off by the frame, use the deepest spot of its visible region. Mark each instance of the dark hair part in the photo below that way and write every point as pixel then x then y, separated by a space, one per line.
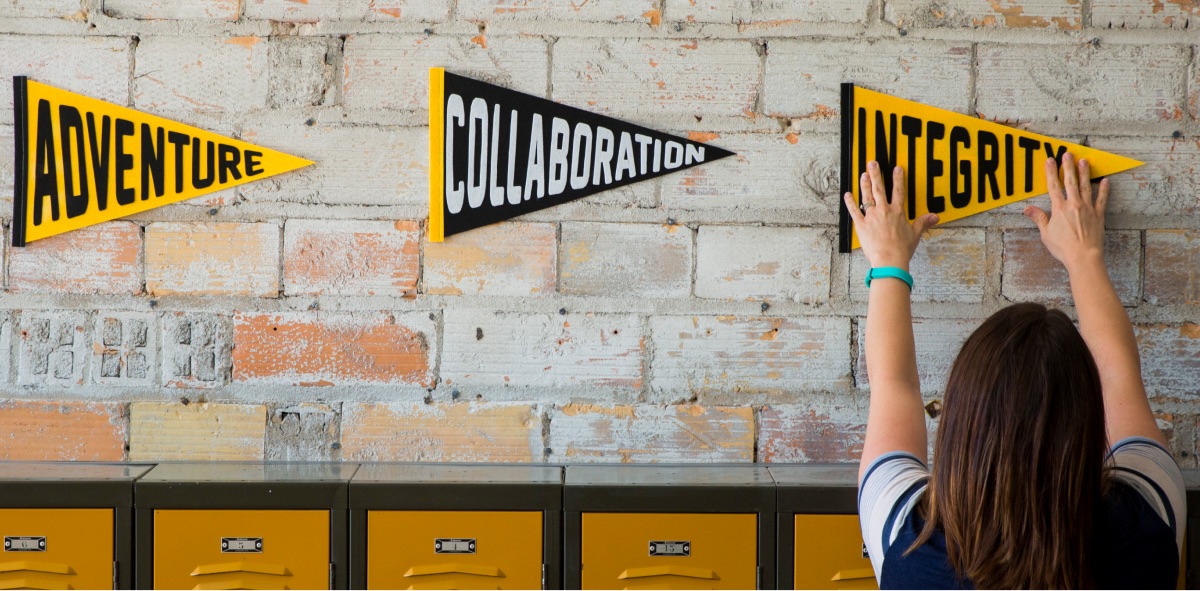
pixel 1019 454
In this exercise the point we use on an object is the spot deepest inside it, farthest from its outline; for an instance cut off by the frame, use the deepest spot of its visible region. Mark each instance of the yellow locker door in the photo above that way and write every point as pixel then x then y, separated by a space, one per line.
pixel 669 551
pixel 454 550
pixel 241 549
pixel 56 549
pixel 829 554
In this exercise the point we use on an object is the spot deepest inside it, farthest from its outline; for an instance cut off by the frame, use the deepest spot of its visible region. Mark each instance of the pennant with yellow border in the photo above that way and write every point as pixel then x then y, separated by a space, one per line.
pixel 81 161
pixel 957 165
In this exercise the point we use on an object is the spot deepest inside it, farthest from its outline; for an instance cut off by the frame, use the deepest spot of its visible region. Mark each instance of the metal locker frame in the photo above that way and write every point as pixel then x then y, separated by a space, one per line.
pixel 458 487
pixel 668 488
pixel 810 489
pixel 1191 480
pixel 61 485
pixel 245 485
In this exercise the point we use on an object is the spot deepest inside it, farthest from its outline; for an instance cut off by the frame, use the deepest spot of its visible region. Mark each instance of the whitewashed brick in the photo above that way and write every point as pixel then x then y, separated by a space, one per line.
pixel 54 348
pixel 791 172
pixel 751 262
pixel 632 260
pixel 508 350
pixel 1032 274
pixel 1140 14
pixel 212 259
pixel 1170 359
pixel 125 349
pixel 730 355
pixel 583 433
pixel 310 11
pixel 8 163
pixel 1107 84
pixel 201 431
pixel 1167 184
pixel 373 165
pixel 1010 14
pixel 223 10
pixel 812 432
pixel 351 257
pixel 201 74
pixel 390 72
pixel 94 66
pixel 505 259
pixel 938 343
pixel 610 10
pixel 950 265
pixel 803 78
pixel 68 9
pixel 649 78
pixel 409 10
pixel 6 346
pixel 471 432
pixel 302 71
pixel 767 12
pixel 1172 259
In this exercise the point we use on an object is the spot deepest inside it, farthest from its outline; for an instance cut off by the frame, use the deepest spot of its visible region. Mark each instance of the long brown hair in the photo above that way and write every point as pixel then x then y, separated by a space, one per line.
pixel 1019 454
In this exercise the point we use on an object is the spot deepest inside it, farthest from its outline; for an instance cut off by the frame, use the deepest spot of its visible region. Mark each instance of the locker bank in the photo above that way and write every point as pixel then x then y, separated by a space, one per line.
pixel 820 542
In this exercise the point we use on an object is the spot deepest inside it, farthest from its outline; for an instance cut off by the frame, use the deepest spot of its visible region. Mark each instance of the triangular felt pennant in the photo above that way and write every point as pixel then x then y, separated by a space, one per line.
pixel 495 153
pixel 957 165
pixel 81 161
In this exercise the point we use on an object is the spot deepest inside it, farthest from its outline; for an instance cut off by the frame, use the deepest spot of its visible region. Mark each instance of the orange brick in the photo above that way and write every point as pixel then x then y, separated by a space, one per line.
pixel 441 432
pixel 790 433
pixel 212 259
pixel 351 257
pixel 689 433
pixel 197 431
pixel 1172 267
pixel 62 431
pixel 101 259
pixel 511 259
pixel 305 349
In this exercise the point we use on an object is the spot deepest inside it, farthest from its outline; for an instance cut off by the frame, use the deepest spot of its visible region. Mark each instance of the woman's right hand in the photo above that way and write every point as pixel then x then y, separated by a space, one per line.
pixel 1073 231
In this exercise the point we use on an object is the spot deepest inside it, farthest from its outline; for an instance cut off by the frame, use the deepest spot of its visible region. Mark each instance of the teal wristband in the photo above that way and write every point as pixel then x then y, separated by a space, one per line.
pixel 893 272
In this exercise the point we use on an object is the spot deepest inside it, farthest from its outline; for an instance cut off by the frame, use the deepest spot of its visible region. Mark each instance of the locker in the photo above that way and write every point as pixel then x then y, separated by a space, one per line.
pixel 820 544
pixel 829 554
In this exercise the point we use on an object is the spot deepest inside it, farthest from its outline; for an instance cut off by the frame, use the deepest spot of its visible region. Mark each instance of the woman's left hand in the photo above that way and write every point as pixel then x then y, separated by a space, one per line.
pixel 886 236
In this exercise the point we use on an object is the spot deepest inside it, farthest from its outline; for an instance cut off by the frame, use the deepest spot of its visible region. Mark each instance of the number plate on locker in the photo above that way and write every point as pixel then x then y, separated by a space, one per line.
pixel 678 548
pixel 24 543
pixel 454 546
pixel 242 545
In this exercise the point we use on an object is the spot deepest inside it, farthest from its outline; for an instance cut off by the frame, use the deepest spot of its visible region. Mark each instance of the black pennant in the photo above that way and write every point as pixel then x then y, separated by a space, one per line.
pixel 496 153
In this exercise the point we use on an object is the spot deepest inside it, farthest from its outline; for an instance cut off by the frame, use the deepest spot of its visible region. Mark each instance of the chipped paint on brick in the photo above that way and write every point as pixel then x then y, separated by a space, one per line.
pixel 625 260
pixel 162 431
pixel 460 432
pixel 507 259
pixel 950 265
pixel 62 431
pixel 1170 359
pixel 801 433
pixel 104 259
pixel 1032 274
pixel 747 262
pixel 1172 259
pixel 690 433
pixel 212 259
pixel 328 257
pixel 938 342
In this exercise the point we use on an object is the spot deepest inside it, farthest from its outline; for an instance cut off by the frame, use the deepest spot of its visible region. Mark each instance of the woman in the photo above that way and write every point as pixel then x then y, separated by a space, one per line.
pixel 1050 469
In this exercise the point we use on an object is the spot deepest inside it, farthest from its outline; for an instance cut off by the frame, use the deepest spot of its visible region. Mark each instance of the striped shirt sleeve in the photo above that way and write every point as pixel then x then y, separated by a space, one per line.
pixel 1149 469
pixel 887 493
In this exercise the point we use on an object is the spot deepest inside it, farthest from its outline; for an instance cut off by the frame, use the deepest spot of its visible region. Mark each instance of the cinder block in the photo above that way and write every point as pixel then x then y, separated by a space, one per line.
pixel 125 349
pixel 53 348
pixel 649 78
pixel 583 433
pixel 62 431
pixel 1167 184
pixel 166 431
pixel 302 71
pixel 706 355
pixel 222 258
pixel 506 259
pixel 811 433
pixel 351 257
pixel 486 349
pixel 938 343
pixel 1170 359
pixel 94 66
pixel 766 12
pixel 65 9
pixel 803 78
pixel 104 259
pixel 950 265
pixel 197 350
pixel 465 432
pixel 1139 14
pixel 1032 274
pixel 218 10
pixel 1025 83
pixel 1009 14
pixel 391 72
pixel 612 10
pixel 1172 267
pixel 754 262
pixel 770 172
pixel 370 165
pixel 201 74
pixel 304 432
pixel 628 260
pixel 310 349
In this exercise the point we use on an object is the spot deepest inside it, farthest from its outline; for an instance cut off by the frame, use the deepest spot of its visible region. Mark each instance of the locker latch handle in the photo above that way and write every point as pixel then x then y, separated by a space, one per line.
pixel 241 567
pixel 678 571
pixel 33 582
pixel 233 584
pixel 857 573
pixel 53 568
pixel 446 569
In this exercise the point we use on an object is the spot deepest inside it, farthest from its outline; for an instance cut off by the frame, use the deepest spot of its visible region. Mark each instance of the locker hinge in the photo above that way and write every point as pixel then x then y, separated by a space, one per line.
pixel 758 577
pixel 115 586
pixel 543 575
pixel 331 575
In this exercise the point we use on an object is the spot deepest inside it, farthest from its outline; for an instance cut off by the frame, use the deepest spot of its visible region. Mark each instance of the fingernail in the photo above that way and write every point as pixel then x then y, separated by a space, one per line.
pixel 872 165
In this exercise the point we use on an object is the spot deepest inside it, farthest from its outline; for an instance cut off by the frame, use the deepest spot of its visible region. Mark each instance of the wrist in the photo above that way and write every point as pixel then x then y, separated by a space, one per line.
pixel 1085 261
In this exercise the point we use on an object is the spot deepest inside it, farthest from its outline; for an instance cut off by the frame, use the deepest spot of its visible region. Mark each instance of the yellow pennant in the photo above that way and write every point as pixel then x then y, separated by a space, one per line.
pixel 82 161
pixel 957 165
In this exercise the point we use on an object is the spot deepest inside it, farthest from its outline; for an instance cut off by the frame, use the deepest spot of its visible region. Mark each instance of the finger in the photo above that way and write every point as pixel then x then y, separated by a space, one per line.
pixel 1039 217
pixel 878 190
pixel 864 188
pixel 1070 177
pixel 852 207
pixel 1102 198
pixel 924 223
pixel 899 190
pixel 1085 182
pixel 1053 186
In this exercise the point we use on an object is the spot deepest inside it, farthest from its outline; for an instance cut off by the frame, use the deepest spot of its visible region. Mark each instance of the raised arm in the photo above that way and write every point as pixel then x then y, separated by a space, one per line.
pixel 1073 232
pixel 896 420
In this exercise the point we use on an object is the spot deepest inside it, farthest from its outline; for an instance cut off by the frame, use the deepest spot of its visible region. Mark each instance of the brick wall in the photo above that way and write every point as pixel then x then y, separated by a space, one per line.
pixel 704 316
